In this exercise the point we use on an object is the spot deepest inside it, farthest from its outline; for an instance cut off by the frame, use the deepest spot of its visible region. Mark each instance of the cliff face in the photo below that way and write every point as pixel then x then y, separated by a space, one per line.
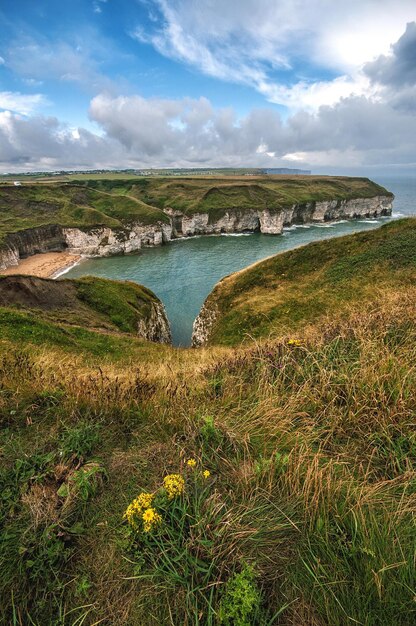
pixel 203 324
pixel 156 326
pixel 101 241
pixel 272 222
pixel 106 241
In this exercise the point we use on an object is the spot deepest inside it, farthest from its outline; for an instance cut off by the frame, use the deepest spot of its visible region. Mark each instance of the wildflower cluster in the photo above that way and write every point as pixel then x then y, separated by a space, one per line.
pixel 174 485
pixel 135 511
pixel 294 342
pixel 143 513
pixel 191 463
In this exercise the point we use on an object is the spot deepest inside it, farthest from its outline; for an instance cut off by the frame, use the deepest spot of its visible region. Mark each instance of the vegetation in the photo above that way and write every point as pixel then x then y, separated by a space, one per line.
pixel 33 205
pixel 214 195
pixel 118 201
pixel 88 302
pixel 286 291
pixel 272 483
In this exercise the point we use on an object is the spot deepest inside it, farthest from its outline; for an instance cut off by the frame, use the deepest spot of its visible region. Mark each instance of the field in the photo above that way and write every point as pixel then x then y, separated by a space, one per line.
pixel 211 194
pixel 297 450
pixel 68 205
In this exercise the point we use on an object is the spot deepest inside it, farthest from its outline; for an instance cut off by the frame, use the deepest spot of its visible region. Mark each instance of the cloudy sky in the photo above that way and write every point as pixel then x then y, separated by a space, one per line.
pixel 318 84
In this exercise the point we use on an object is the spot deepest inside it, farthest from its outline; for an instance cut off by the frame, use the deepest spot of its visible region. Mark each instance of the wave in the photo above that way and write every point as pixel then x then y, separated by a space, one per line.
pixel 66 269
pixel 236 234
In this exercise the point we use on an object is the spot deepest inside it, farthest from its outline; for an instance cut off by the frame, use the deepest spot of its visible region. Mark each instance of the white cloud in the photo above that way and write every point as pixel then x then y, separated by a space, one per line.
pixel 374 127
pixel 21 103
pixel 140 132
pixel 258 42
pixel 96 6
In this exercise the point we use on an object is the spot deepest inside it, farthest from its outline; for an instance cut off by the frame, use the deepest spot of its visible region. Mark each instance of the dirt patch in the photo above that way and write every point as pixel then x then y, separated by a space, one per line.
pixel 31 292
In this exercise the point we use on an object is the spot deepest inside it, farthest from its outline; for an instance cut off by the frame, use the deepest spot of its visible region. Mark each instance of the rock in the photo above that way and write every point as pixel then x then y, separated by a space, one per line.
pixel 156 327
pixel 203 324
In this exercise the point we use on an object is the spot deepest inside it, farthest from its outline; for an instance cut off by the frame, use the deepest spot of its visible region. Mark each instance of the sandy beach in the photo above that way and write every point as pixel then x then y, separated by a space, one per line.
pixel 46 265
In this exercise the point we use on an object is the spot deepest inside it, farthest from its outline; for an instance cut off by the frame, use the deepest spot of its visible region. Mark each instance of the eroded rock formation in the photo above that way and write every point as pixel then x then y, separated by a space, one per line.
pixel 105 241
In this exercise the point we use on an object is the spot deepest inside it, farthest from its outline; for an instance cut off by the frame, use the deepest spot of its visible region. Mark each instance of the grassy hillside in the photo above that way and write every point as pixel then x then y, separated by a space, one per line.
pixel 29 206
pixel 90 302
pixel 210 194
pixel 306 514
pixel 117 202
pixel 287 291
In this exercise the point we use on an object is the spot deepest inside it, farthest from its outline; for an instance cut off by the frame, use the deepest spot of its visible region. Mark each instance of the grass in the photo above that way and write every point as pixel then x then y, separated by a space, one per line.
pixel 70 205
pixel 216 195
pixel 284 292
pixel 307 517
pixel 88 302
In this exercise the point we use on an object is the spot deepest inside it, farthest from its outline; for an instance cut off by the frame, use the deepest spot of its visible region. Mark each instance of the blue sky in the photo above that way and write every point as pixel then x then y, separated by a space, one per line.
pixel 126 83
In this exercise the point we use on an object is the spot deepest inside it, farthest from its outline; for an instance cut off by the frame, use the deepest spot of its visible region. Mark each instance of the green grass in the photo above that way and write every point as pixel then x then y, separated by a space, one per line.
pixel 216 195
pixel 307 516
pixel 69 205
pixel 289 290
pixel 89 302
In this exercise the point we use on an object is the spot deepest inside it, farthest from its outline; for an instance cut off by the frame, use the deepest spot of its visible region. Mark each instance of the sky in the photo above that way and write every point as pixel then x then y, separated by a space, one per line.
pixel 315 84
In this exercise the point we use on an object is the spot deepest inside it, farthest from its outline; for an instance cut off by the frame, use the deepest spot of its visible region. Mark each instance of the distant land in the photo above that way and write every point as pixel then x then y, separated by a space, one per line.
pixel 192 171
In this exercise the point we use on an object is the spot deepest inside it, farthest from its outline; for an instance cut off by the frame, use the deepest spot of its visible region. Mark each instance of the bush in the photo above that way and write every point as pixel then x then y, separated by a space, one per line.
pixel 240 604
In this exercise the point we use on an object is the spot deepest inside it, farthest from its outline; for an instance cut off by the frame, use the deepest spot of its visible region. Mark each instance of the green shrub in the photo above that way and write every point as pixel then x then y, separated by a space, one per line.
pixel 80 440
pixel 240 604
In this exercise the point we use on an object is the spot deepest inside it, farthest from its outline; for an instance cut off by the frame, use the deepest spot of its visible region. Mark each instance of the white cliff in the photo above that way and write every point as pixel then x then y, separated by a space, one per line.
pixel 156 327
pixel 105 241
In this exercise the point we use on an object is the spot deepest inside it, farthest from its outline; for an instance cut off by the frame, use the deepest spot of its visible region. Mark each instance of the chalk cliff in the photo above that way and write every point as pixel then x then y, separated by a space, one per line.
pixel 107 241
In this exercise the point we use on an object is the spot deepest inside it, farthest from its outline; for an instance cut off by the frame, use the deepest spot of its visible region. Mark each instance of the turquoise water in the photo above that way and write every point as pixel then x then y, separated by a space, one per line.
pixel 184 272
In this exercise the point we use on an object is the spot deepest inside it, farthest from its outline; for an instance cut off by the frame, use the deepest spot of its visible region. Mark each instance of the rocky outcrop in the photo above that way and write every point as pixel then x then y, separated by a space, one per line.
pixel 203 324
pixel 273 221
pixel 31 241
pixel 105 241
pixel 156 327
pixel 99 241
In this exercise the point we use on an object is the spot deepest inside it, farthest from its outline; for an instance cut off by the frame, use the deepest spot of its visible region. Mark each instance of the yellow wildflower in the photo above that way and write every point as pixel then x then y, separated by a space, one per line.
pixel 136 508
pixel 174 485
pixel 294 342
pixel 191 462
pixel 150 519
pixel 206 473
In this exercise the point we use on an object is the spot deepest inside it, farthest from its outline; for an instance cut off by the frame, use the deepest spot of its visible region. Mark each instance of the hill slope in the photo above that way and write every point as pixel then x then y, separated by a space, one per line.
pixel 298 458
pixel 210 194
pixel 287 291
pixel 92 303
pixel 31 206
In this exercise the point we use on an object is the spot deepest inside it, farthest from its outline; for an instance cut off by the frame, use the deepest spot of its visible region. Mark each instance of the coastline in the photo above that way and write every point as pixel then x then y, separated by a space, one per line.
pixel 44 265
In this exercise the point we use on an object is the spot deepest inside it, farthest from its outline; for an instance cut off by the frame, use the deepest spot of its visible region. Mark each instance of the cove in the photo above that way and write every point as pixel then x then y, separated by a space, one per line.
pixel 183 272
